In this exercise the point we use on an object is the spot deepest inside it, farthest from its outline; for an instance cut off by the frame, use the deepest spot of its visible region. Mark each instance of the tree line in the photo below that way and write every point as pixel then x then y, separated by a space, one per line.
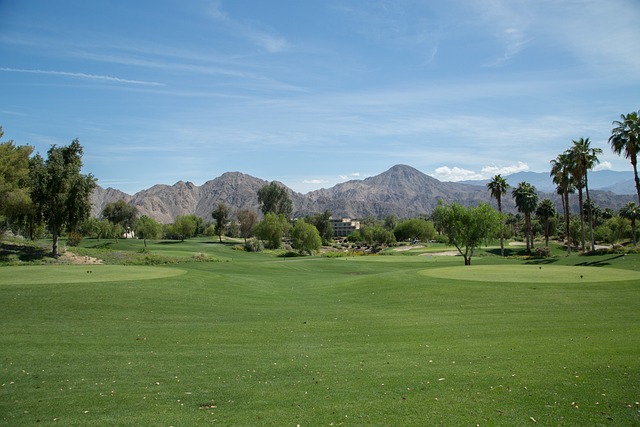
pixel 51 195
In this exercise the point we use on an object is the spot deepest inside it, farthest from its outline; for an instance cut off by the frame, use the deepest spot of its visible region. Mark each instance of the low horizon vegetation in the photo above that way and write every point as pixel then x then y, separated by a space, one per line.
pixel 397 338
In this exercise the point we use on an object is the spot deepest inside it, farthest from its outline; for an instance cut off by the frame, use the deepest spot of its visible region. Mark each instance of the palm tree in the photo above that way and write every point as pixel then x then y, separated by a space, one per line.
pixel 498 187
pixel 526 199
pixel 625 140
pixel 545 210
pixel 560 171
pixel 631 211
pixel 584 158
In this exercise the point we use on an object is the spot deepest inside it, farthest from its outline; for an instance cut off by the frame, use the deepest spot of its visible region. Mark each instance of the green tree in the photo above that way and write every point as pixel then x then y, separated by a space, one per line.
pixel 122 213
pixel 322 222
pixel 466 227
pixel 414 229
pixel 275 198
pixel 185 226
pixel 498 187
pixel 625 140
pixel 545 211
pixel 61 194
pixel 583 159
pixel 272 229
pixel 15 201
pixel 148 228
pixel 526 199
pixel 305 237
pixel 247 220
pixel 221 215
pixel 631 211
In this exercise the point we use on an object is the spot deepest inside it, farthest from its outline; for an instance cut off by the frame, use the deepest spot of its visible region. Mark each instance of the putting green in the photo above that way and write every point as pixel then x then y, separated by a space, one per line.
pixel 51 274
pixel 532 273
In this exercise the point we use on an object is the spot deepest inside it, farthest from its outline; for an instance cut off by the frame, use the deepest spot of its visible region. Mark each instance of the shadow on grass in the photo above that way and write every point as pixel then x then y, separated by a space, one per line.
pixel 542 261
pixel 170 242
pixel 599 263
pixel 508 252
pixel 24 253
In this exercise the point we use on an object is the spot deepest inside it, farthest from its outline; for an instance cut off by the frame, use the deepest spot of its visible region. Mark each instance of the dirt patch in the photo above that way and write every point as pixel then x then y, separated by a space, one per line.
pixel 407 248
pixel 444 253
pixel 71 258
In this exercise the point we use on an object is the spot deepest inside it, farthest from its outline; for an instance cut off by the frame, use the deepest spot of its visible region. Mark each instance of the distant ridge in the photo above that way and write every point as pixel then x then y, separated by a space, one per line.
pixel 402 191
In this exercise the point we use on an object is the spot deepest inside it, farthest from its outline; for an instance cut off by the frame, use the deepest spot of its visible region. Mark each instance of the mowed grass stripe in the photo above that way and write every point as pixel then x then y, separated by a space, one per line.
pixel 41 274
pixel 532 274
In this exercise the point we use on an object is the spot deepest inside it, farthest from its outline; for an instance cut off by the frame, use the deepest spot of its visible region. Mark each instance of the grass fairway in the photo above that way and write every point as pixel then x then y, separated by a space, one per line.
pixel 378 340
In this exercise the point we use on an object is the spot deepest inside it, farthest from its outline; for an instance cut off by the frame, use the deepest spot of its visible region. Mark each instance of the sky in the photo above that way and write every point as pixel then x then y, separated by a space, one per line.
pixel 317 92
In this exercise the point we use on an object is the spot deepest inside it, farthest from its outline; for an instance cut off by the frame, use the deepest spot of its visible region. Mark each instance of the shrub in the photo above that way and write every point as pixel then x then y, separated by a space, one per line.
pixel 542 252
pixel 74 238
pixel 254 245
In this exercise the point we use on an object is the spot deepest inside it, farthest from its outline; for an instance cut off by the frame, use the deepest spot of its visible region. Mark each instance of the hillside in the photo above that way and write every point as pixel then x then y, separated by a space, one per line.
pixel 402 191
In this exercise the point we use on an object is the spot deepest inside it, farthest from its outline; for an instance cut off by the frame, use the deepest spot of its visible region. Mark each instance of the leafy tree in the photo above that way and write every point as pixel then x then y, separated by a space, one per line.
pixel 625 140
pixel 583 158
pixel 466 227
pixel 247 220
pixel 322 222
pixel 526 199
pixel 498 187
pixel 305 237
pixel 390 222
pixel 414 229
pixel 275 198
pixel 122 213
pixel 61 194
pixel 561 173
pixel 148 228
pixel 631 211
pixel 14 181
pixel 546 210
pixel 185 226
pixel 272 229
pixel 221 215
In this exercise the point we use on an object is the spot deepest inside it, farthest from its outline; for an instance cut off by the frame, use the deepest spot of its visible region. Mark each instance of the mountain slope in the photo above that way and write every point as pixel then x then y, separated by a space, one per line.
pixel 402 191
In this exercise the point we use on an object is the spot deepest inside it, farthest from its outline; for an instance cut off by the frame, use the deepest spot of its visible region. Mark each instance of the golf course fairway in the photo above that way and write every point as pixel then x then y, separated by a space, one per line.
pixel 532 274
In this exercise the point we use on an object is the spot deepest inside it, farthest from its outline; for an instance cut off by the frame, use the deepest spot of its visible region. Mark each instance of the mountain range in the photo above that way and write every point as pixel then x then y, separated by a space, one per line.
pixel 402 191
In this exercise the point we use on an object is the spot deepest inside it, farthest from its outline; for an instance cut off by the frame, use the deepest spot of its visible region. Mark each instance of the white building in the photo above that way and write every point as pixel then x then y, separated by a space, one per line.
pixel 343 227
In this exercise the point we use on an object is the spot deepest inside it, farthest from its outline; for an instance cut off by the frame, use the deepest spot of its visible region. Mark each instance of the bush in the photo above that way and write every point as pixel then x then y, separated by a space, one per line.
pixel 74 238
pixel 542 252
pixel 254 245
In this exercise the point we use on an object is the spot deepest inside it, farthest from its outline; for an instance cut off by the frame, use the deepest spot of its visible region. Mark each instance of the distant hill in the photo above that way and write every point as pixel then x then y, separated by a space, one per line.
pixel 617 182
pixel 402 191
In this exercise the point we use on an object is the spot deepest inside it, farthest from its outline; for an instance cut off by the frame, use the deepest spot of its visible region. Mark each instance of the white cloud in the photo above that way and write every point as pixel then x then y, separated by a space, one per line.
pixel 350 176
pixel 445 173
pixel 603 166
pixel 82 76
pixel 314 181
pixel 490 171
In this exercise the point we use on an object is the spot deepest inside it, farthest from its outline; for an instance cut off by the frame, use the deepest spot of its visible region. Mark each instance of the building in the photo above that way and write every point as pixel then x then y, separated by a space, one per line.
pixel 343 227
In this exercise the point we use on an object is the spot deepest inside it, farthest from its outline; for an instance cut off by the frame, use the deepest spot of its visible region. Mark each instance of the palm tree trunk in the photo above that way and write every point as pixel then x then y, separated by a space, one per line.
pixel 580 204
pixel 586 186
pixel 634 163
pixel 567 220
pixel 501 228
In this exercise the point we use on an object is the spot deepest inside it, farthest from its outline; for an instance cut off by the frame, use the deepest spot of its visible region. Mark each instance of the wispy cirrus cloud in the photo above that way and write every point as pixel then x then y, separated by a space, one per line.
pixel 111 79
pixel 264 38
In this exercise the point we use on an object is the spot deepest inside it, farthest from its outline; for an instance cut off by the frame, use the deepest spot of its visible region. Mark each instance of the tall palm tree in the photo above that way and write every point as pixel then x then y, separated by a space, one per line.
pixel 560 171
pixel 584 158
pixel 526 199
pixel 546 210
pixel 631 211
pixel 498 187
pixel 625 140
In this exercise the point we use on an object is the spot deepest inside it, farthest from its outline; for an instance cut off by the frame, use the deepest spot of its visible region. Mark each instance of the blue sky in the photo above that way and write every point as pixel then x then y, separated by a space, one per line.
pixel 312 93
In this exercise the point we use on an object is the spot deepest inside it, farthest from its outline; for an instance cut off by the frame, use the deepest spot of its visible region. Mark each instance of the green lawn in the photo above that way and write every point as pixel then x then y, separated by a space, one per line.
pixel 372 340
